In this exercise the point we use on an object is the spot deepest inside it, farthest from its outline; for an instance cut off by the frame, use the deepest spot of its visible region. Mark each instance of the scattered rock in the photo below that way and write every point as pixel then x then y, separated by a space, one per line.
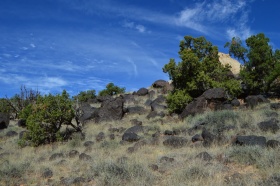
pixel 11 133
pixel 4 120
pixel 21 123
pixel 135 129
pixel 253 101
pixel 215 94
pixel 136 110
pixel 271 125
pixel 196 138
pixel 130 150
pixel 142 92
pixel 204 156
pixel 175 142
pixel 275 106
pixel 88 143
pixel 84 157
pixel 154 167
pixel 251 140
pixel 73 154
pixel 208 138
pixel 130 137
pixel 166 159
pixel 100 136
pixel 168 132
pixel 235 102
pixel 112 136
pixel 47 173
pixel 273 144
pixel 197 106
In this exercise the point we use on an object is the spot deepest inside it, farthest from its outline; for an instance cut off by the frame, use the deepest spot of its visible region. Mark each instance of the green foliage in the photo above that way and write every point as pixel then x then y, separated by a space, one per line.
pixel 177 101
pixel 45 117
pixel 111 90
pixel 4 106
pixel 261 63
pixel 198 71
pixel 84 96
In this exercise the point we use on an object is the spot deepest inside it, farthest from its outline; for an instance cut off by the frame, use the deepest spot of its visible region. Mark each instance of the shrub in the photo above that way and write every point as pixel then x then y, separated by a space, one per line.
pixel 111 90
pixel 84 96
pixel 177 101
pixel 45 118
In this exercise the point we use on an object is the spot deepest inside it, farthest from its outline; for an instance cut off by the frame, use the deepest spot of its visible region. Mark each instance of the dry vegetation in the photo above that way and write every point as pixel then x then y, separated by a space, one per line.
pixel 110 163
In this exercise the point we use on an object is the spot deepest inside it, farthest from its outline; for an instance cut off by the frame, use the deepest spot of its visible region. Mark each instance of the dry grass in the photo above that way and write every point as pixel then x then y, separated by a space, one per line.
pixel 112 164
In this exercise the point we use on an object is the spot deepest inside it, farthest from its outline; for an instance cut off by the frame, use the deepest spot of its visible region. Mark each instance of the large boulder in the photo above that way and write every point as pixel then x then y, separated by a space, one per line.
pixel 251 140
pixel 160 83
pixel 197 106
pixel 110 110
pixel 4 120
pixel 87 113
pixel 215 94
pixel 142 92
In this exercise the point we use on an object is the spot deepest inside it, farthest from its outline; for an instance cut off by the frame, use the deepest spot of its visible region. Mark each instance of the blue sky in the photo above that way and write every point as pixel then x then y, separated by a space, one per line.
pixel 51 45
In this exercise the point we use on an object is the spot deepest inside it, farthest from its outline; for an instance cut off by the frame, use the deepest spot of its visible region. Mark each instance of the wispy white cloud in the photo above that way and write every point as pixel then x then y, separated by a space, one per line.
pixel 140 28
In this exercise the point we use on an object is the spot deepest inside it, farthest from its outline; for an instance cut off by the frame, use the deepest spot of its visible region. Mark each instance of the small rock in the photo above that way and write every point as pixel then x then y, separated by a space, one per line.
pixel 88 143
pixel 84 157
pixel 100 136
pixel 47 173
pixel 273 144
pixel 271 125
pixel 196 138
pixel 166 159
pixel 130 137
pixel 11 134
pixel 154 167
pixel 251 140
pixel 168 132
pixel 112 136
pixel 21 123
pixel 73 153
pixel 176 142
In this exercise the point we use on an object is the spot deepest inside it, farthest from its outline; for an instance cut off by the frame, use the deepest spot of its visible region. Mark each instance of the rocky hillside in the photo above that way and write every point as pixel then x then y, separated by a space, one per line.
pixel 131 139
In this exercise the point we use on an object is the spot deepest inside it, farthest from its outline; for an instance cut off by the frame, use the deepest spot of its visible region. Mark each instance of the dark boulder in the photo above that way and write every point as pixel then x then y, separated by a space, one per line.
pixel 215 94
pixel 86 113
pixel 168 133
pixel 197 106
pixel 208 138
pixel 204 156
pixel 136 110
pixel 73 154
pixel 84 157
pixel 135 129
pixel 157 107
pixel 11 133
pixel 21 123
pixel 271 125
pixel 160 84
pixel 196 138
pixel 253 101
pixel 275 106
pixel 103 98
pixel 100 136
pixel 88 143
pixel 154 114
pixel 273 143
pixel 235 102
pixel 110 110
pixel 160 99
pixel 4 120
pixel 166 159
pixel 130 137
pixel 142 92
pixel 47 173
pixel 250 140
pixel 175 142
